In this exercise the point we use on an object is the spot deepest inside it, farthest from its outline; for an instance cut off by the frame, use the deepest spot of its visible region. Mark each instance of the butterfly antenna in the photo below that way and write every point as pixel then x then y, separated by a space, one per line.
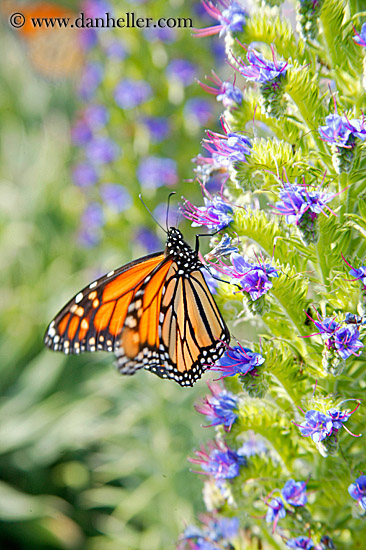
pixel 151 214
pixel 167 210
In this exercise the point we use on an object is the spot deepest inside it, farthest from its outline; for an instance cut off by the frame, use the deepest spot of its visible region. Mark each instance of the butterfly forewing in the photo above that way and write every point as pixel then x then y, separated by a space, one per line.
pixel 94 318
pixel 155 313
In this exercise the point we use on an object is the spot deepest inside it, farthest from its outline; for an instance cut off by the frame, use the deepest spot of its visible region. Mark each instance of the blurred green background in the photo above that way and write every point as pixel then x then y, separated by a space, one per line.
pixel 89 459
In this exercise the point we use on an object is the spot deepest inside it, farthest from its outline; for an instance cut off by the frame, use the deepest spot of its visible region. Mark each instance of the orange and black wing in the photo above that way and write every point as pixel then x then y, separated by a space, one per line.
pixel 94 318
pixel 173 327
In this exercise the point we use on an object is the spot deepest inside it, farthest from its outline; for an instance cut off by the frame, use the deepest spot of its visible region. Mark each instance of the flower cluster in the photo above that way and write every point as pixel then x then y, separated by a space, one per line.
pixel 215 215
pixel 360 38
pixel 357 490
pixel 219 461
pixel 220 407
pixel 309 11
pixel 270 75
pixel 301 206
pixel 254 279
pixel 300 543
pixel 340 339
pixel 229 148
pixel 222 249
pixel 215 534
pixel 343 134
pixel 322 427
pixel 226 92
pixel 293 493
pixel 232 18
pixel 238 360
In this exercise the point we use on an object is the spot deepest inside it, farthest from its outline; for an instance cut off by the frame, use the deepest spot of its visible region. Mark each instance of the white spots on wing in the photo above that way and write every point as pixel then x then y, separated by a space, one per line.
pixel 78 297
pixel 110 274
pixel 93 285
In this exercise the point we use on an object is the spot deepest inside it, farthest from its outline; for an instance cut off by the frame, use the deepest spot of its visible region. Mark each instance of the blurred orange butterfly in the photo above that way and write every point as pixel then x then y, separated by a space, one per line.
pixel 155 313
pixel 54 52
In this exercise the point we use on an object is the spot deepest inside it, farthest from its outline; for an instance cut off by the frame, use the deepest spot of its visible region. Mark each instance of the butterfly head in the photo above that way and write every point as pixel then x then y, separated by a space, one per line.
pixel 182 253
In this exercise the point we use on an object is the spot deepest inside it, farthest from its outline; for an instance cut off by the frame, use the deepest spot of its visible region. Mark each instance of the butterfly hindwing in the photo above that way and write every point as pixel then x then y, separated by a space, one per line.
pixel 186 336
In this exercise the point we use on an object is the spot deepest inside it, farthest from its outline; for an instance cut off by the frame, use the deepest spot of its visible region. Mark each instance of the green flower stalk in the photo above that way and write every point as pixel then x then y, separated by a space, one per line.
pixel 293 291
pixel 308 14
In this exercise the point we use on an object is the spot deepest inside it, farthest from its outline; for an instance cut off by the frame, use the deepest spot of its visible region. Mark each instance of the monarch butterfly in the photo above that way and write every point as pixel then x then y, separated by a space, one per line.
pixel 155 313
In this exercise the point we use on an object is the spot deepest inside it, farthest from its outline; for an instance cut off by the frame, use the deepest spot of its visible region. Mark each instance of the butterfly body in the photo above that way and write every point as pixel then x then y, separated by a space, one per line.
pixel 156 313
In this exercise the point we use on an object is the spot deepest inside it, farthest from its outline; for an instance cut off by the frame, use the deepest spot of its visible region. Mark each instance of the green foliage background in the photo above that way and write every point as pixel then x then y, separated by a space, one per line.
pixel 88 459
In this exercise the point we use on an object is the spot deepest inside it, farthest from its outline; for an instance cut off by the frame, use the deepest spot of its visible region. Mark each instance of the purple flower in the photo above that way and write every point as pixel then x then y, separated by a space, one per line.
pixel 358 127
pixel 336 131
pixel 215 215
pixel 84 175
pixel 198 111
pixel 211 282
pixel 81 133
pixel 339 417
pixel 225 528
pixel 158 127
pixel 317 425
pixel 238 360
pixel 163 34
pixel 256 283
pixel 253 446
pixel 148 239
pixel 226 92
pixel 211 172
pixel 131 93
pixel 91 223
pixel 346 341
pixel 326 542
pixel 182 70
pixel 276 511
pixel 116 50
pixel 222 249
pixel 360 39
pixel 215 530
pixel 229 95
pixel 90 80
pixel 96 116
pixel 253 279
pixel 294 492
pixel 359 274
pixel 327 326
pixel 88 38
pixel 261 69
pixel 298 200
pixel 102 150
pixel 301 543
pixel 220 462
pixel 232 18
pixel 97 8
pixel 231 147
pixel 116 196
pixel 220 407
pixel 357 490
pixel 155 172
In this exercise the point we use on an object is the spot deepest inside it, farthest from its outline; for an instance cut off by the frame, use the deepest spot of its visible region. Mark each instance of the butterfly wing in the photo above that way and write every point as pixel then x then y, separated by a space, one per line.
pixel 94 318
pixel 173 327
